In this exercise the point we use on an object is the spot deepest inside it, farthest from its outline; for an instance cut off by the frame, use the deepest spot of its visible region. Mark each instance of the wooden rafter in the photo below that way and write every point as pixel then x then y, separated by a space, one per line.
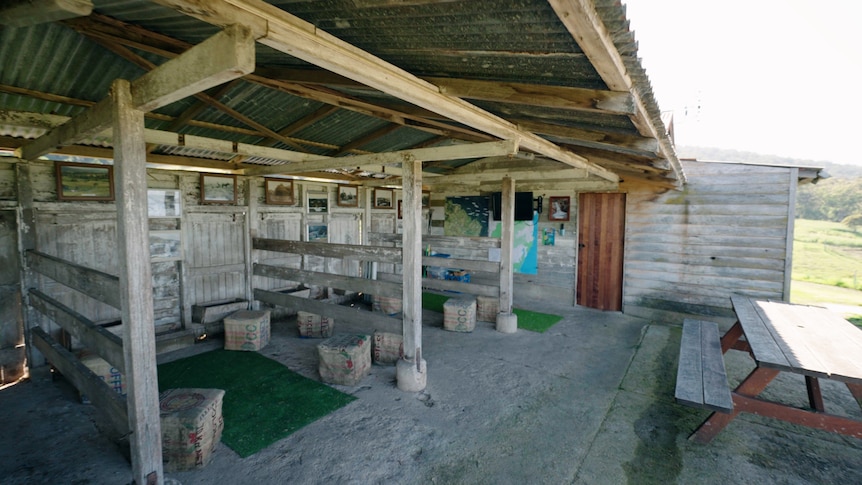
pixel 360 162
pixel 222 57
pixel 116 32
pixel 359 142
pixel 23 13
pixel 559 97
pixel 286 33
pixel 583 22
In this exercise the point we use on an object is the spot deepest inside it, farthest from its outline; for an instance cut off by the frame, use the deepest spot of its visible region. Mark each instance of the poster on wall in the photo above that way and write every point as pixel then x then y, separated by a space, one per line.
pixel 466 216
pixel 525 252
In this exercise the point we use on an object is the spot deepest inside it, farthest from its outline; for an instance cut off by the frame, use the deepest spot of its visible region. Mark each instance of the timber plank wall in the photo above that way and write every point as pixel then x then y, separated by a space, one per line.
pixel 727 232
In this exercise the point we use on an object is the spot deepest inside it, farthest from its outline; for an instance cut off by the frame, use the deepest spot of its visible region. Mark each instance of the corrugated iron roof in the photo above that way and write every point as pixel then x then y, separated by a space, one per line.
pixel 57 68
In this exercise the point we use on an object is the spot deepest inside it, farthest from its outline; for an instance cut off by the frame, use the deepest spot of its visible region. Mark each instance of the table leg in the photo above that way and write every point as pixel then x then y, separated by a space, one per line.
pixel 753 385
pixel 815 399
pixel 856 390
pixel 731 337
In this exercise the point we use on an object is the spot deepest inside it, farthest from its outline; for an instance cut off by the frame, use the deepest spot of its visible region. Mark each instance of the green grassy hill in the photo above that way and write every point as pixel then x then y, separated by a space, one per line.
pixel 827 264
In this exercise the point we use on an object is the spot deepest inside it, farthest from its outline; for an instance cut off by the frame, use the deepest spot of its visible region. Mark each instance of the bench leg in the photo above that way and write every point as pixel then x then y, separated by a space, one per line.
pixel 753 385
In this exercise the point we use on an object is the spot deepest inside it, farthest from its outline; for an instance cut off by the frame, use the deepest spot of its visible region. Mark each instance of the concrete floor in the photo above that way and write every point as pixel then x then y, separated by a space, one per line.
pixel 590 401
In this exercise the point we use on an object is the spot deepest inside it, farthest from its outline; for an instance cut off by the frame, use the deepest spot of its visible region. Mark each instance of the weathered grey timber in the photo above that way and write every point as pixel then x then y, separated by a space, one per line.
pixel 94 337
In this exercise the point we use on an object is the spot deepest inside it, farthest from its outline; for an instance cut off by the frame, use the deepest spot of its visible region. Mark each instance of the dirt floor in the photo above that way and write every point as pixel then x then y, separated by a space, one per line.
pixel 590 401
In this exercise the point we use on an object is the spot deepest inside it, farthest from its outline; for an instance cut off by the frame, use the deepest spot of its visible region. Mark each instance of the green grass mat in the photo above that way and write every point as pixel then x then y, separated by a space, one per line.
pixel 264 401
pixel 527 320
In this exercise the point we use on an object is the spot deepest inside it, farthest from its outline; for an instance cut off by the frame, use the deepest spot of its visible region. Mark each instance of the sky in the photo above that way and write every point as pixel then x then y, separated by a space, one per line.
pixel 779 77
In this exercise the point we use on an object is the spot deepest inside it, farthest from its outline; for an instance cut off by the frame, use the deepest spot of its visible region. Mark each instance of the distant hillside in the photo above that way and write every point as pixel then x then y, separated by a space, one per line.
pixel 724 155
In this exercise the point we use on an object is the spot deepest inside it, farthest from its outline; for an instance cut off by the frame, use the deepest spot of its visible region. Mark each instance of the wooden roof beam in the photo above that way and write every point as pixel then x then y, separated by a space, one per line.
pixel 224 56
pixel 113 31
pixel 293 36
pixel 373 161
pixel 559 97
pixel 583 22
pixel 24 13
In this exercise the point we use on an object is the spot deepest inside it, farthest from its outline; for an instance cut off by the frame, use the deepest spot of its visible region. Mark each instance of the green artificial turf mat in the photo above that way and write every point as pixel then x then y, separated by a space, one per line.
pixel 527 320
pixel 264 401
pixel 535 321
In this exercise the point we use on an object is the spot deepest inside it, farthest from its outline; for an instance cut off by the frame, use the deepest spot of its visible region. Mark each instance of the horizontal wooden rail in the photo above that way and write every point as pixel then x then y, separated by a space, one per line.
pixel 349 283
pixel 93 283
pixel 461 287
pixel 100 394
pixel 375 321
pixel 330 250
pixel 95 338
pixel 440 241
pixel 471 264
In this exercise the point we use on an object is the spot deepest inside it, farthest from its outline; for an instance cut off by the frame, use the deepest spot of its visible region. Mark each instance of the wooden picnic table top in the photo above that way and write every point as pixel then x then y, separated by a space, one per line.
pixel 807 340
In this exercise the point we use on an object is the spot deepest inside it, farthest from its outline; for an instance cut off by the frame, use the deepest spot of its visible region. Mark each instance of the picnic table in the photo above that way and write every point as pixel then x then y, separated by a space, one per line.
pixel 811 341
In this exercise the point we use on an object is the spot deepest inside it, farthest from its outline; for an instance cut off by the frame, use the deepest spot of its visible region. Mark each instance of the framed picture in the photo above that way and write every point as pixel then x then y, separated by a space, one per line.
pixel 426 199
pixel 383 198
pixel 348 196
pixel 165 246
pixel 317 233
pixel 164 203
pixel 217 188
pixel 559 208
pixel 84 181
pixel 318 202
pixel 279 191
pixel 400 214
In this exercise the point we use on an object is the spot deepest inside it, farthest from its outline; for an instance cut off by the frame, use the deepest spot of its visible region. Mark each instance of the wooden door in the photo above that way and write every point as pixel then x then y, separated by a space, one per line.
pixel 12 359
pixel 601 227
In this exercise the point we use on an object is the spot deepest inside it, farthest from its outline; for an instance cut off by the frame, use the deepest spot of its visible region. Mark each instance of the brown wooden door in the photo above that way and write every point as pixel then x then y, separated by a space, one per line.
pixel 601 221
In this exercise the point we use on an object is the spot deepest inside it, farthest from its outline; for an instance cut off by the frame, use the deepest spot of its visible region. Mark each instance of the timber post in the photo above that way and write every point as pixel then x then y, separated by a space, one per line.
pixel 411 369
pixel 507 322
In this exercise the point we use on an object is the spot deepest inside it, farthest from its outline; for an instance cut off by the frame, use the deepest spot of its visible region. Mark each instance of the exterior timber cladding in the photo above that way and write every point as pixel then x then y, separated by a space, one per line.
pixel 730 230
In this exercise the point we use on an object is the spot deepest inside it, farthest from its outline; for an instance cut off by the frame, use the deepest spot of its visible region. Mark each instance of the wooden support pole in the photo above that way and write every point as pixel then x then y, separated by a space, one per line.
pixel 136 286
pixel 507 322
pixel 410 371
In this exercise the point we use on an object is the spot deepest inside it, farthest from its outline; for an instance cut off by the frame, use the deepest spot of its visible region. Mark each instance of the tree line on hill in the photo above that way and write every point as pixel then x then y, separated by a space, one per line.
pixel 837 198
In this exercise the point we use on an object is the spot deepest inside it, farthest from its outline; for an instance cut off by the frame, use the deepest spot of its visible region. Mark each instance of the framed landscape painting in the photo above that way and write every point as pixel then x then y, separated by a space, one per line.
pixel 279 191
pixel 383 199
pixel 318 202
pixel 84 181
pixel 348 196
pixel 218 188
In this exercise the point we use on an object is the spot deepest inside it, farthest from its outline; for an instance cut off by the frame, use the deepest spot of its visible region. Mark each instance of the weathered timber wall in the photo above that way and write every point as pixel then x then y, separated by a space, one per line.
pixel 727 232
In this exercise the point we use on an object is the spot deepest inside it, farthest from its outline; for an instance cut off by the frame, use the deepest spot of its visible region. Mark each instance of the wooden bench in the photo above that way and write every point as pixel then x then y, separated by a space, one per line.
pixel 701 380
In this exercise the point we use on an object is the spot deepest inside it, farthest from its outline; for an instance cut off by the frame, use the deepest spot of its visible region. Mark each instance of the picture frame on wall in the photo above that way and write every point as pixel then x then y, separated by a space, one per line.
pixel 279 191
pixel 317 233
pixel 317 202
pixel 558 208
pixel 348 196
pixel 166 246
pixel 84 181
pixel 164 203
pixel 383 198
pixel 218 188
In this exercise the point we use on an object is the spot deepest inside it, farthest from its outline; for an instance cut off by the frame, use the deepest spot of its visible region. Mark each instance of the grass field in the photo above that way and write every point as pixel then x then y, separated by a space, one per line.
pixel 827 264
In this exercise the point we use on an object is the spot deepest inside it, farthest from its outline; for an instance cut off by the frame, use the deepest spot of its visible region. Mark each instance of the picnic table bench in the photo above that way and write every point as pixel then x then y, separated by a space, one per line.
pixel 811 341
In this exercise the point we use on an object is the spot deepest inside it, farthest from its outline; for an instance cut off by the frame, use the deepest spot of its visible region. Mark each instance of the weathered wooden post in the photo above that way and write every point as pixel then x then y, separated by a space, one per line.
pixel 411 370
pixel 507 322
pixel 136 286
